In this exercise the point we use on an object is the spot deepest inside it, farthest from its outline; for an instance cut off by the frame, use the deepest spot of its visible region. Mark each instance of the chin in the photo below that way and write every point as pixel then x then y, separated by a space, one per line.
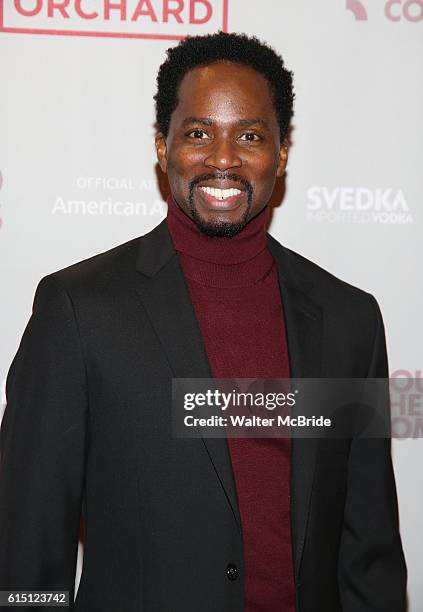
pixel 221 228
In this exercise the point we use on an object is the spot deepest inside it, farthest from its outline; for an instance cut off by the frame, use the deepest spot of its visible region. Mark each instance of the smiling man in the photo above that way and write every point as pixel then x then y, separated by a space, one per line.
pixel 197 525
pixel 223 147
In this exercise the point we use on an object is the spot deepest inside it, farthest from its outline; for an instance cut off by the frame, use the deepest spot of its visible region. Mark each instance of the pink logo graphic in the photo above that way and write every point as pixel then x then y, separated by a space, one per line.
pixel 153 19
pixel 395 10
pixel 412 10
pixel 1 185
pixel 358 9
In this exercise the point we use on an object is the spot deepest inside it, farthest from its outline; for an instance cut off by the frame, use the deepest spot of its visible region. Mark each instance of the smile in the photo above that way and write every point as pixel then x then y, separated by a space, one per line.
pixel 221 194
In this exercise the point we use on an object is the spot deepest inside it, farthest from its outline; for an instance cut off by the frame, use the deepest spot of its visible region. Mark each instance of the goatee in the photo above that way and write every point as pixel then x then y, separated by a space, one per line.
pixel 220 228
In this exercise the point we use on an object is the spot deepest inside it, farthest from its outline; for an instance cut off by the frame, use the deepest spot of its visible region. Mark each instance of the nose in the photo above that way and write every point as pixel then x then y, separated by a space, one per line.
pixel 223 155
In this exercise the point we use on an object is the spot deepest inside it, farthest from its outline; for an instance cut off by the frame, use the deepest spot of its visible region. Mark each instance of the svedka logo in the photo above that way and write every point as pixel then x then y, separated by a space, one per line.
pixel 162 19
pixel 358 205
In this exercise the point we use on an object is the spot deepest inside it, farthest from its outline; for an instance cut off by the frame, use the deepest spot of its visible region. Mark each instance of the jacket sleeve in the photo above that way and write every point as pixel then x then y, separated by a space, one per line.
pixel 371 572
pixel 43 448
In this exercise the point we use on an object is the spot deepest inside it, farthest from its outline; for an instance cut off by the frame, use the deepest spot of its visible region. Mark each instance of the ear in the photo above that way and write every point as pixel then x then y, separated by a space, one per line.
pixel 161 149
pixel 283 158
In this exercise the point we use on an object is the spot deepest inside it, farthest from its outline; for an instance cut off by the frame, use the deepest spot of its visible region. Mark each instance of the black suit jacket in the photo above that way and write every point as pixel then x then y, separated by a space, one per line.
pixel 87 423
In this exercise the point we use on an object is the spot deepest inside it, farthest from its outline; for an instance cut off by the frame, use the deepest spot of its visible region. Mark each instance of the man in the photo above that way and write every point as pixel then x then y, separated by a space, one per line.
pixel 210 525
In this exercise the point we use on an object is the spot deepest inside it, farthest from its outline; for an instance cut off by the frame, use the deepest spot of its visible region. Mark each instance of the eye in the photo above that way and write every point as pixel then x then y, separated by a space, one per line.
pixel 250 137
pixel 198 134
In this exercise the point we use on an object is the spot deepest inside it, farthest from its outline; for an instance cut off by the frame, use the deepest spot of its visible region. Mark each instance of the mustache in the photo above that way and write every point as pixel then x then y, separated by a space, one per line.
pixel 222 177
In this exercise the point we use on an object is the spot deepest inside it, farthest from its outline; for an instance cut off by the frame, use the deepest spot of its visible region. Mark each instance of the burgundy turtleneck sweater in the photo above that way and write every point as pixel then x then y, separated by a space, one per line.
pixel 234 288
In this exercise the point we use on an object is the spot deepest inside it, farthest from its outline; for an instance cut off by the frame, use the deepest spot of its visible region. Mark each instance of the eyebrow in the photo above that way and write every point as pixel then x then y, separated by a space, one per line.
pixel 249 122
pixel 207 121
pixel 200 120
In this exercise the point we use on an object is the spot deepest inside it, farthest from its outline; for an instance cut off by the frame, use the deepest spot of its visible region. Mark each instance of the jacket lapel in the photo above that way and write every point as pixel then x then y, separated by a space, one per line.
pixel 303 322
pixel 164 293
pixel 165 296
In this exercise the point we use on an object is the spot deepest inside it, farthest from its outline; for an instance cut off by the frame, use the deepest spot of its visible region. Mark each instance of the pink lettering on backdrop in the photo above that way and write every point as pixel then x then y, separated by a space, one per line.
pixel 392 13
pixel 358 9
pixel 413 10
pixel 397 10
pixel 120 6
pixel 151 19
pixel 175 11
pixel 54 5
pixel 81 13
pixel 29 12
pixel 193 14
pixel 144 8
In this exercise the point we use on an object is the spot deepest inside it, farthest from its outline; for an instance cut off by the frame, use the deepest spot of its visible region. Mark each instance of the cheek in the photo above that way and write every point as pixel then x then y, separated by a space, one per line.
pixel 183 160
pixel 182 167
pixel 264 171
pixel 176 172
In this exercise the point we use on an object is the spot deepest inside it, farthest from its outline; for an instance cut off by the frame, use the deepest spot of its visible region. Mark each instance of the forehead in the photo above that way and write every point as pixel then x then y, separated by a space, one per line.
pixel 225 91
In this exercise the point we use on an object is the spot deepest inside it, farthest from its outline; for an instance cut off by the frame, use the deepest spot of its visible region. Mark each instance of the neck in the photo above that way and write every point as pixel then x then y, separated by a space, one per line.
pixel 189 239
pixel 239 261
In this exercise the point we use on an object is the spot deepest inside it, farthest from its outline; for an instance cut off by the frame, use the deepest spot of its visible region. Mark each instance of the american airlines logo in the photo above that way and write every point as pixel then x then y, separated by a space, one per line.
pixel 162 19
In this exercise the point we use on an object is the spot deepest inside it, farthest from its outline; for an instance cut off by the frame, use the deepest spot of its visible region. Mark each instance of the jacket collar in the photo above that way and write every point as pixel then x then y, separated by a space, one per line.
pixel 156 250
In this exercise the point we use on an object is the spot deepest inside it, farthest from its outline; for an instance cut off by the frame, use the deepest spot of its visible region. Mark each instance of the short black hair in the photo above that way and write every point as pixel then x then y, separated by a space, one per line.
pixel 197 51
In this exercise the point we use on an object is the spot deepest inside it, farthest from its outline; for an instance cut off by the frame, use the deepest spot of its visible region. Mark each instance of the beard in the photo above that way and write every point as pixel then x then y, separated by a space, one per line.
pixel 220 228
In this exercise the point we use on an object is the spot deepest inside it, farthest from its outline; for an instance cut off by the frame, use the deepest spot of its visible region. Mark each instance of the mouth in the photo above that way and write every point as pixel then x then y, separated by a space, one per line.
pixel 222 197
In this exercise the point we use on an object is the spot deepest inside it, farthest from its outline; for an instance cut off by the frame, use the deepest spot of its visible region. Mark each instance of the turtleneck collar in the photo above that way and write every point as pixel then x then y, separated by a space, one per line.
pixel 239 261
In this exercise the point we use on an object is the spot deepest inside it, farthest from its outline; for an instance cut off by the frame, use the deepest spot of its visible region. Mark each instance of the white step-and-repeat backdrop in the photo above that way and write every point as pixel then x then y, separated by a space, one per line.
pixel 78 173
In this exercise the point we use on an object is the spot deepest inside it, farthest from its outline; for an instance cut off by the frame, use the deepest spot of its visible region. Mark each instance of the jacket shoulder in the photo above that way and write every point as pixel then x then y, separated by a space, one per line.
pixel 352 321
pixel 101 269
pixel 100 263
pixel 349 309
pixel 322 282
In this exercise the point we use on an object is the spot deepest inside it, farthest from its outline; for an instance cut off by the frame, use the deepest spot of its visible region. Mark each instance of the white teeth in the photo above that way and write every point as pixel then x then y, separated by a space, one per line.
pixel 220 194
